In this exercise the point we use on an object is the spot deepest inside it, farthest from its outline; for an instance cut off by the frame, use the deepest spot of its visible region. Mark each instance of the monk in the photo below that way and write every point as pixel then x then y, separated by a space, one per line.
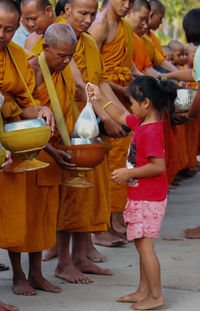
pixel 156 16
pixel 138 19
pixel 15 107
pixel 59 46
pixel 94 215
pixel 178 52
pixel 38 15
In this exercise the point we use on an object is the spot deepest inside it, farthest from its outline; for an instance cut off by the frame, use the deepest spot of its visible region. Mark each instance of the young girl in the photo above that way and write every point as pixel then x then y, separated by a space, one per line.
pixel 146 178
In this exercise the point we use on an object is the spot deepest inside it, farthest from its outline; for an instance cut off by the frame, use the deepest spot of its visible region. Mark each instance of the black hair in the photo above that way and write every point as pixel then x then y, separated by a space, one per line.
pixel 161 93
pixel 60 6
pixel 191 26
pixel 11 6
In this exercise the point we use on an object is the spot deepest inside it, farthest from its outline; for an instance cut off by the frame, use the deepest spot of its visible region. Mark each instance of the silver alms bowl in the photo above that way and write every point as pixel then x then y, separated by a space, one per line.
pixel 24 124
pixel 85 141
pixel 184 99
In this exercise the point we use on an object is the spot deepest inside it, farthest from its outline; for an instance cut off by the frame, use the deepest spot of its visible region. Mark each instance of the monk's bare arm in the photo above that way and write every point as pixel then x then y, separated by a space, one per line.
pixel 80 94
pixel 167 65
pixel 99 30
pixel 185 75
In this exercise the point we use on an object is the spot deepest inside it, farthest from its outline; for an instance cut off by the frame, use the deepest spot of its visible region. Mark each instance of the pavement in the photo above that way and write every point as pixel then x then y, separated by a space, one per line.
pixel 179 258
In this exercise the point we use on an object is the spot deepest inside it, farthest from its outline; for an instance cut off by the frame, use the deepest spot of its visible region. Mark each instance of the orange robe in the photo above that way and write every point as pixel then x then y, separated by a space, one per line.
pixel 117 57
pixel 155 57
pixel 156 42
pixel 87 210
pixel 43 185
pixel 13 186
pixel 140 57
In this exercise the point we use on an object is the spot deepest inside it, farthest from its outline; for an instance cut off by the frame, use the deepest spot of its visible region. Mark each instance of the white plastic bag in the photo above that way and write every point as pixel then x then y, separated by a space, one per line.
pixel 86 125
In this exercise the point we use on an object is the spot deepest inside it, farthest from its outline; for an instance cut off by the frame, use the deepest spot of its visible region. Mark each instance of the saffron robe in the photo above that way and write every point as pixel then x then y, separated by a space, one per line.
pixel 155 57
pixel 87 210
pixel 117 57
pixel 43 184
pixel 13 186
pixel 156 42
pixel 140 57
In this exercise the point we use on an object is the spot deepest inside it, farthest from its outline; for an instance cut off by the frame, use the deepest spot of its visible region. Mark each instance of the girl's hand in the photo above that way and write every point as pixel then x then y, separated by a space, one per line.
pixel 94 92
pixel 120 175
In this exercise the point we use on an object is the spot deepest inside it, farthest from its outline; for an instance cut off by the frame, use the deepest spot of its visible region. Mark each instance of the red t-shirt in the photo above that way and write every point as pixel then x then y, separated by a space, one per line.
pixel 147 141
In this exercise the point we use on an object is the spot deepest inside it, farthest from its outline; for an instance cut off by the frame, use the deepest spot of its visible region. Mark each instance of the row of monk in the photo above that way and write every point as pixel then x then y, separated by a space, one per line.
pixel 37 212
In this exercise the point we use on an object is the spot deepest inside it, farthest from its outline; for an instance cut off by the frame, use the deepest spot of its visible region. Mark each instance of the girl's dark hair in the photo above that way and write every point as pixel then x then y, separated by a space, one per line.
pixel 191 26
pixel 162 93
pixel 60 6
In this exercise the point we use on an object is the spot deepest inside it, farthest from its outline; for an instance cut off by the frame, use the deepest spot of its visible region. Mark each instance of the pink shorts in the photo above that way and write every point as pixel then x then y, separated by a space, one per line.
pixel 144 218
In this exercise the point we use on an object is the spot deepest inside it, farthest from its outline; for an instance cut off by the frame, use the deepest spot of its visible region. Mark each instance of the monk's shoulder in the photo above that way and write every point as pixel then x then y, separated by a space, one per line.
pixel 31 40
pixel 100 25
pixel 19 54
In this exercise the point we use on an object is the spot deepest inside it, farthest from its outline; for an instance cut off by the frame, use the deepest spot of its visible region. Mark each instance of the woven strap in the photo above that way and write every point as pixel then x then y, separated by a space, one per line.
pixel 22 78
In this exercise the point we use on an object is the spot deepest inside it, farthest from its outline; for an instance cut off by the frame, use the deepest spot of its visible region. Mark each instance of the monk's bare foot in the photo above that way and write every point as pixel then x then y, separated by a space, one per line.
pixel 4 307
pixel 109 239
pixel 149 303
pixel 70 274
pixel 133 297
pixel 50 253
pixel 192 233
pixel 118 222
pixel 23 287
pixel 94 256
pixel 86 266
pixel 38 282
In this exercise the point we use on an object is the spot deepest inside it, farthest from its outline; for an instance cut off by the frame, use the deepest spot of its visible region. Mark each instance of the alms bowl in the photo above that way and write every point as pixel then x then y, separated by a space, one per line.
pixel 25 135
pixel 184 99
pixel 86 152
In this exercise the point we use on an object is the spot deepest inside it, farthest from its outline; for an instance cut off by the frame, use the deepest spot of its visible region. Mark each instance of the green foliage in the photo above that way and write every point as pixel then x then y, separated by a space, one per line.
pixel 174 13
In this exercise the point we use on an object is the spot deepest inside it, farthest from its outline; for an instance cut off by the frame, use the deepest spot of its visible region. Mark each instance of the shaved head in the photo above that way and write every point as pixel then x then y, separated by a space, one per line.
pixel 139 4
pixel 156 6
pixel 60 33
pixel 42 4
pixel 10 6
pixel 173 44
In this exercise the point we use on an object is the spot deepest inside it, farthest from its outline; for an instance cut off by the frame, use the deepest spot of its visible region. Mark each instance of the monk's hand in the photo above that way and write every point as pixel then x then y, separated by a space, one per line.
pixel 7 162
pixel 47 114
pixel 120 175
pixel 113 129
pixel 63 160
pixel 183 117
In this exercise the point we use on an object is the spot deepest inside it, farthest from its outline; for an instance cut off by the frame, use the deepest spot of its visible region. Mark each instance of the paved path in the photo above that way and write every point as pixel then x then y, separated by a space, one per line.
pixel 179 259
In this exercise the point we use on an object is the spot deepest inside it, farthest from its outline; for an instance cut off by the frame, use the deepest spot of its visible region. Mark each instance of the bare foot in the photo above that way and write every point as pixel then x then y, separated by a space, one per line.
pixel 22 287
pixel 149 303
pixel 41 283
pixel 94 256
pixel 70 274
pixel 4 307
pixel 86 266
pixel 118 222
pixel 133 297
pixel 192 233
pixel 50 253
pixel 110 239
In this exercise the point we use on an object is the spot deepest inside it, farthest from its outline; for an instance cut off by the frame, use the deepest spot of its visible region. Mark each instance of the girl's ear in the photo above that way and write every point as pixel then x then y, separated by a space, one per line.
pixel 147 103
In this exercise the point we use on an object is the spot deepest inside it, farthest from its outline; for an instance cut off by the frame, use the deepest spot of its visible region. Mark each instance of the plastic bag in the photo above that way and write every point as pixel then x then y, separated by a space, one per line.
pixel 86 125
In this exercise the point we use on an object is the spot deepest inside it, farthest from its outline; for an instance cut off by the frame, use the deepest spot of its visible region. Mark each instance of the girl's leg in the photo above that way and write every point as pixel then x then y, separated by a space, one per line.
pixel 151 269
pixel 143 289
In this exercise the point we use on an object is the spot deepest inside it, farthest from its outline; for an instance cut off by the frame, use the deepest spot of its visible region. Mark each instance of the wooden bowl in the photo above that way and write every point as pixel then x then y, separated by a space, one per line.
pixel 86 155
